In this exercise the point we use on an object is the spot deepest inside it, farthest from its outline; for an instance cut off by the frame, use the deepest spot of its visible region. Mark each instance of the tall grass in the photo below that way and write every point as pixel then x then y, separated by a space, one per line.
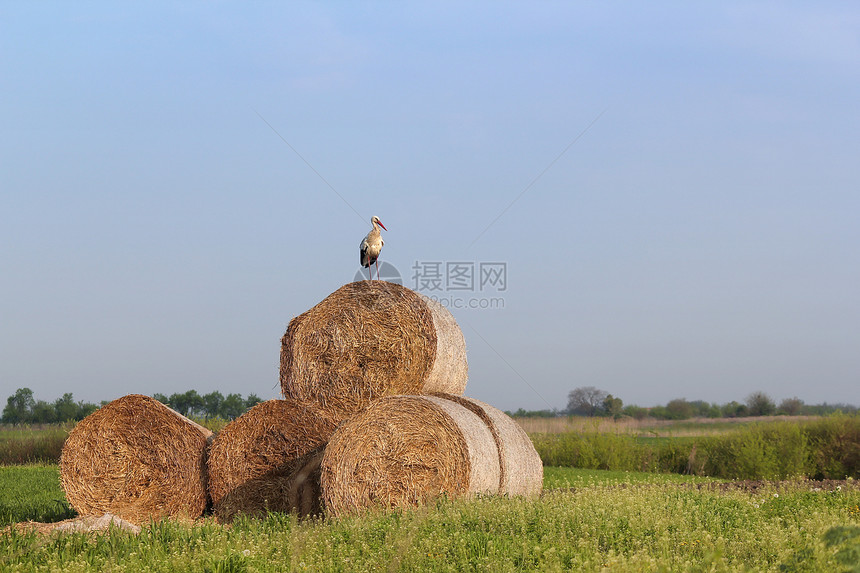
pixel 823 448
pixel 773 451
pixel 694 427
pixel 32 444
pixel 835 446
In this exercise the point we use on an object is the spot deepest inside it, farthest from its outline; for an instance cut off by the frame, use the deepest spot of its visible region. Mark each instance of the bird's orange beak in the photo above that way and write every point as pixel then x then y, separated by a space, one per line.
pixel 381 225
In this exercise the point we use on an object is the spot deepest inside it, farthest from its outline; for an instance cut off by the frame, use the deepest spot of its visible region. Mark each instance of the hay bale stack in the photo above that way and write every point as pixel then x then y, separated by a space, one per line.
pixel 521 471
pixel 137 459
pixel 268 459
pixel 367 340
pixel 404 450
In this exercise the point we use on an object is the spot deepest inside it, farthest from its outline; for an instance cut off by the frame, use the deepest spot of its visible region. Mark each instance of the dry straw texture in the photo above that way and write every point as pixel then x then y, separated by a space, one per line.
pixel 367 340
pixel 521 471
pixel 268 460
pixel 404 450
pixel 137 459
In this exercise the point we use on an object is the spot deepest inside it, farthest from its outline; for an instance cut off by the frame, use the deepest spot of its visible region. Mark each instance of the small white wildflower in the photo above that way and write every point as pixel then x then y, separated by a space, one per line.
pixel 776 495
pixel 246 552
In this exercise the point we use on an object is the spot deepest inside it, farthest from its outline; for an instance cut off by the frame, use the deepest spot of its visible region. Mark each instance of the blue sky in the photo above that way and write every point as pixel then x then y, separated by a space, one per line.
pixel 698 239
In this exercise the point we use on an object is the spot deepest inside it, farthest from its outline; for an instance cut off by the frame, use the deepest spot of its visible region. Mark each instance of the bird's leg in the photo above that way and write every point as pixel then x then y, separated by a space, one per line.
pixel 369 273
pixel 377 269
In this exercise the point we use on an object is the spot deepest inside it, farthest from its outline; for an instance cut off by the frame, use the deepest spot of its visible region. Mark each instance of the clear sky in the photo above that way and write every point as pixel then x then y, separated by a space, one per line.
pixel 671 186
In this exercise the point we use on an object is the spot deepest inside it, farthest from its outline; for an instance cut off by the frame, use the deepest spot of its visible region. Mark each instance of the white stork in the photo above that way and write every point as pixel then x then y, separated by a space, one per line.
pixel 371 246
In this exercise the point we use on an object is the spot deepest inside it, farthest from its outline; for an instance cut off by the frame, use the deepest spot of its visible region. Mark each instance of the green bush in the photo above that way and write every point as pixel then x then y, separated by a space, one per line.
pixel 756 452
pixel 679 456
pixel 591 450
pixel 607 451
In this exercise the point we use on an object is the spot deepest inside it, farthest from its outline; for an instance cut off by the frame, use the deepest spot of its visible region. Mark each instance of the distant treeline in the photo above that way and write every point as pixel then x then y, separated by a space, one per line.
pixel 23 408
pixel 591 401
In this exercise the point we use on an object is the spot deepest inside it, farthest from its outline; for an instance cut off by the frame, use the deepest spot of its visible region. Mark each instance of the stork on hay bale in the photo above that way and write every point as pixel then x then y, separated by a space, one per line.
pixel 403 451
pixel 137 459
pixel 367 340
pixel 371 246
pixel 268 459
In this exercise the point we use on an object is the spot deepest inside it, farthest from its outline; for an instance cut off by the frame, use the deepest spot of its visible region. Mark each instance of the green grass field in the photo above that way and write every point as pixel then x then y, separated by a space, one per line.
pixel 587 520
pixel 32 493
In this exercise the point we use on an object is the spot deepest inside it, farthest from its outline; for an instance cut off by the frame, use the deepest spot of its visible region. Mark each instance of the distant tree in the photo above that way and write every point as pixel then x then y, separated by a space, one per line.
pixel 586 401
pixel 212 404
pixel 19 407
pixel 251 401
pixel 636 412
pixel 177 402
pixel 612 406
pixel 760 404
pixel 791 406
pixel 679 409
pixel 188 404
pixel 233 406
pixel 43 413
pixel 523 413
pixel 734 410
pixel 86 408
pixel 195 403
pixel 659 412
pixel 65 409
pixel 702 409
pixel 824 409
pixel 23 408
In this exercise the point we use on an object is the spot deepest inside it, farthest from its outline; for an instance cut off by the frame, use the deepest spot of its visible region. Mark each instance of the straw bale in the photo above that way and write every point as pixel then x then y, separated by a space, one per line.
pixel 404 450
pixel 292 487
pixel 521 471
pixel 138 460
pixel 367 340
pixel 268 460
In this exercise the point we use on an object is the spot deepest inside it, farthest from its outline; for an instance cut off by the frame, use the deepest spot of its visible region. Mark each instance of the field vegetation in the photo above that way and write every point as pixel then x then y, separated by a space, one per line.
pixel 23 444
pixel 822 448
pixel 587 520
pixel 646 427
pixel 618 496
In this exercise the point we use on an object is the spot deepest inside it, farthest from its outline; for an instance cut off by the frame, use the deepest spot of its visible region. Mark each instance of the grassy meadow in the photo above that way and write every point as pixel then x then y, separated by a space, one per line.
pixel 610 517
pixel 586 520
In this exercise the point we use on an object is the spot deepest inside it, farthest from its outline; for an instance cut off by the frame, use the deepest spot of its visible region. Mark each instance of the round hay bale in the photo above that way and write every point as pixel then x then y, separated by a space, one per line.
pixel 404 450
pixel 367 340
pixel 137 459
pixel 292 487
pixel 521 471
pixel 268 460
